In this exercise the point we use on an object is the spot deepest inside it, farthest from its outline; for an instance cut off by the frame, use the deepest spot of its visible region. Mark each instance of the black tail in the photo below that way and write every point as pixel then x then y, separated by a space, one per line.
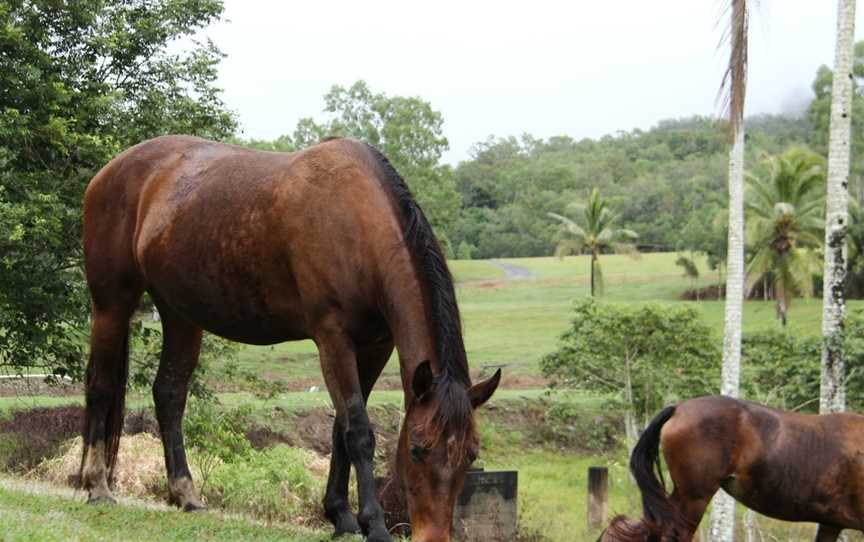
pixel 660 515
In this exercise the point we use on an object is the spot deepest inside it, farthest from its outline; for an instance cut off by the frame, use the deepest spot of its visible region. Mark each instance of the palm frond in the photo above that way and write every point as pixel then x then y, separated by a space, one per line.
pixel 734 85
pixel 570 226
pixel 689 267
pixel 566 247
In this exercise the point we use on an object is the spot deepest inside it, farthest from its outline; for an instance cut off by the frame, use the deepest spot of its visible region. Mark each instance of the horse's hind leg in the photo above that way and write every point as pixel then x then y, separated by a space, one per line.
pixel 181 345
pixel 107 371
pixel 370 361
pixel 827 533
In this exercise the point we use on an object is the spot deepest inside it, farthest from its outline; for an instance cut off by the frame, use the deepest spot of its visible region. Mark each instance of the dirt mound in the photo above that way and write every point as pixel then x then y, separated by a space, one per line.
pixel 715 291
pixel 27 437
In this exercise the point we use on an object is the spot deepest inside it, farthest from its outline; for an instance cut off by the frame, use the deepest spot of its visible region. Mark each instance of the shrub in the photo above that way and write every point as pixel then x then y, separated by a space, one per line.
pixel 647 355
pixel 215 436
pixel 279 483
pixel 784 369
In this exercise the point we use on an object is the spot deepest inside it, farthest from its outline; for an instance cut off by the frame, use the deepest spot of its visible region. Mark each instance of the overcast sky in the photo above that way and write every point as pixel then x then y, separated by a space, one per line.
pixel 577 67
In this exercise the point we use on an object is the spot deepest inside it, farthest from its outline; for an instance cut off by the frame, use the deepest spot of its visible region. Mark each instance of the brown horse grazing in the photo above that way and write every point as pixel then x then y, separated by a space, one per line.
pixel 785 465
pixel 259 247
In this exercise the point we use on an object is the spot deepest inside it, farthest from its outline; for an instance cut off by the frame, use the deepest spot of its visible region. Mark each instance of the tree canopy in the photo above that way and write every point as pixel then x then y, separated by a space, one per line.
pixel 80 81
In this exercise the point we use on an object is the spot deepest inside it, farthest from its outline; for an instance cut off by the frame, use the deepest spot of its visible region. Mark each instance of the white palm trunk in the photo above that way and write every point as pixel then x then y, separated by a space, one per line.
pixel 723 506
pixel 832 393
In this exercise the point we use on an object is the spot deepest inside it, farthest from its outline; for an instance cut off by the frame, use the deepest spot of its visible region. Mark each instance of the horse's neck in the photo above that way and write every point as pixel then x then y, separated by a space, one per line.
pixel 413 332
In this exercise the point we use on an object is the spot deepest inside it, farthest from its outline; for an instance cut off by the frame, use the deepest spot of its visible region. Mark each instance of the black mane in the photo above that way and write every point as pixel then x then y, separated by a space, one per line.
pixel 436 278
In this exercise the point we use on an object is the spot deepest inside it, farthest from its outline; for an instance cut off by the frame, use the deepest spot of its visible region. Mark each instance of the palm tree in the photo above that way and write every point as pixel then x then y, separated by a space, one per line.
pixel 733 89
pixel 785 225
pixel 595 235
pixel 691 271
pixel 832 393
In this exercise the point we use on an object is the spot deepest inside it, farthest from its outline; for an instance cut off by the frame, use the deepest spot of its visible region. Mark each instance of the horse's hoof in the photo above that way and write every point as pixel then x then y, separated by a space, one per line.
pixel 194 506
pixel 101 500
pixel 347 527
pixel 344 523
pixel 379 535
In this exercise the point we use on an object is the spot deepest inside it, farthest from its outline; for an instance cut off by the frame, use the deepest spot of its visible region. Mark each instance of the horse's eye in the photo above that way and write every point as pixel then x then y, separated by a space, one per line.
pixel 418 454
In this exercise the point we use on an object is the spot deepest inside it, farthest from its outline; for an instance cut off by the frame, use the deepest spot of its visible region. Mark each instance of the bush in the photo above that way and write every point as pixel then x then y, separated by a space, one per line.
pixel 637 353
pixel 279 483
pixel 567 424
pixel 216 436
pixel 784 370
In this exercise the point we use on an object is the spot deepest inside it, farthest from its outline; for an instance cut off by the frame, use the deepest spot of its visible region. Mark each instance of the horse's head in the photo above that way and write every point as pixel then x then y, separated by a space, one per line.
pixel 437 444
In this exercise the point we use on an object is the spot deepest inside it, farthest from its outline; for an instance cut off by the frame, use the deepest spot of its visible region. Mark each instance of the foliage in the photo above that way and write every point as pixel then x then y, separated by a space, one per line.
pixel 567 425
pixel 785 224
pixel 274 484
pixel 819 112
pixel 218 360
pixel 595 235
pixel 215 436
pixel 79 81
pixel 636 353
pixel 407 130
pixel 783 369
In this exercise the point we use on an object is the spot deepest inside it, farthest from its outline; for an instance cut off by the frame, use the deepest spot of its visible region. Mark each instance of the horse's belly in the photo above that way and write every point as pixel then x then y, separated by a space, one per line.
pixel 248 320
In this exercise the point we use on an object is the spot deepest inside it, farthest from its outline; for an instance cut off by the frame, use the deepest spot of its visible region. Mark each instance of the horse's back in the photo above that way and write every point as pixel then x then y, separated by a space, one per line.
pixel 254 245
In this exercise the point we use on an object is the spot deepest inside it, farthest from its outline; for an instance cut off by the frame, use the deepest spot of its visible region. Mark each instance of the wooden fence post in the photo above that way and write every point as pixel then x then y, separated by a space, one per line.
pixel 598 495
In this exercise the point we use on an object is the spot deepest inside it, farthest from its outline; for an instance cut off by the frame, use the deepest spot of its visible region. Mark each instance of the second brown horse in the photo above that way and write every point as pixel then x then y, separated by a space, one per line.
pixel 326 243
pixel 784 465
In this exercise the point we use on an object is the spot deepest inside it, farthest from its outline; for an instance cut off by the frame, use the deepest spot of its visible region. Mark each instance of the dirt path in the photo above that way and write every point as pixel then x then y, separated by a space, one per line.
pixel 512 271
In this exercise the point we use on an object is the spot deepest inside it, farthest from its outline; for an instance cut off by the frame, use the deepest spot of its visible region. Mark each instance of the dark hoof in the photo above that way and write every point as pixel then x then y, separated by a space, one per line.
pixel 101 500
pixel 346 525
pixel 379 535
pixel 194 506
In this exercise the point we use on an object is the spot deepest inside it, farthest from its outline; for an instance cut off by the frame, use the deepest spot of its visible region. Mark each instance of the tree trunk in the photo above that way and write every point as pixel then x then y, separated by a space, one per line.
pixel 593 260
pixel 630 431
pixel 723 507
pixel 749 526
pixel 832 393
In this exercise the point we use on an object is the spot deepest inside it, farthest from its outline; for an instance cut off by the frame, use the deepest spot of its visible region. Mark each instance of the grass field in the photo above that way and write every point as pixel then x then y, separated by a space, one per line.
pixel 516 322
pixel 507 322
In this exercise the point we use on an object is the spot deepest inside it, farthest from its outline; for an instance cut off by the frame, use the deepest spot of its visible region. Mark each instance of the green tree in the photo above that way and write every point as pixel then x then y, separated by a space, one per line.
pixel 691 270
pixel 407 130
pixel 819 116
pixel 595 235
pixel 80 81
pixel 636 352
pixel 785 224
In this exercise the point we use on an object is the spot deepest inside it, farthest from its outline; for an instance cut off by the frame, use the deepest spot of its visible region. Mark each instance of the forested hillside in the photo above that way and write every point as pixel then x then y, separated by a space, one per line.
pixel 667 183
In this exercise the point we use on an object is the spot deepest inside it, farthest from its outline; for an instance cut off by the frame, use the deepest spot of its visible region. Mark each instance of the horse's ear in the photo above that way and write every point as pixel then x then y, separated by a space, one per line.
pixel 423 380
pixel 482 391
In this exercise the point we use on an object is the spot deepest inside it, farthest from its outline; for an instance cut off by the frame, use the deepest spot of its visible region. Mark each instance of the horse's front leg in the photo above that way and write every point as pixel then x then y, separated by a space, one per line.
pixel 336 507
pixel 339 365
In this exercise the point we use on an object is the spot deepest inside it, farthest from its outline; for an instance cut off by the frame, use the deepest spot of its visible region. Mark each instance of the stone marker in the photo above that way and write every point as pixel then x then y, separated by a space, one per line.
pixel 486 509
